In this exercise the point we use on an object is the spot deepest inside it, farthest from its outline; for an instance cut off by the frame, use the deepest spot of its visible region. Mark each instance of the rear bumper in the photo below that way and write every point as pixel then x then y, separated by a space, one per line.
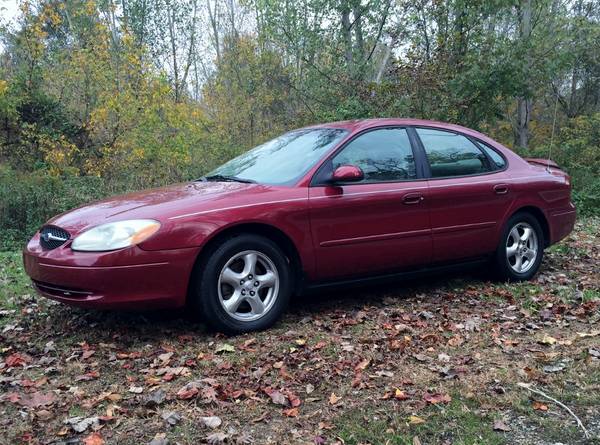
pixel 137 279
pixel 561 223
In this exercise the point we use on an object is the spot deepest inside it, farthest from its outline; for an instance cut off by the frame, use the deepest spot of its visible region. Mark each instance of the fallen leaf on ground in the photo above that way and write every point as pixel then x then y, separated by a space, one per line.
pixel 333 399
pixel 189 391
pixel 362 365
pixel 415 420
pixel 539 406
pixel 437 398
pixel 37 399
pixel 155 398
pixel 400 395
pixel 211 422
pixel 291 412
pixel 159 439
pixel 224 347
pixel 276 397
pixel 80 424
pixel 546 340
pixel 171 417
pixel 499 425
pixel 556 367
pixel 16 359
pixel 164 358
pixel 216 438
pixel 87 354
pixel 93 439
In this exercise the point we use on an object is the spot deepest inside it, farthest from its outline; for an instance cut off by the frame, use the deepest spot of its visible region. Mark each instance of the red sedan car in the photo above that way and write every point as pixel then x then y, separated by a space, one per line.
pixel 330 203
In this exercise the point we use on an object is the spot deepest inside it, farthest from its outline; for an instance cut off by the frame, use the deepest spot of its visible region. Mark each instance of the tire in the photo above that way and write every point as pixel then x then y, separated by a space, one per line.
pixel 520 260
pixel 240 277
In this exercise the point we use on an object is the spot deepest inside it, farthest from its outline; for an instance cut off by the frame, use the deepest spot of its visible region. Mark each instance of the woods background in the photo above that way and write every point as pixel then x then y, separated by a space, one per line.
pixel 104 96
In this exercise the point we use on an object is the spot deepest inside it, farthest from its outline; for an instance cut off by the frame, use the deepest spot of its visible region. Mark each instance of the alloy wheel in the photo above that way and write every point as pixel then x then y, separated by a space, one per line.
pixel 521 247
pixel 248 285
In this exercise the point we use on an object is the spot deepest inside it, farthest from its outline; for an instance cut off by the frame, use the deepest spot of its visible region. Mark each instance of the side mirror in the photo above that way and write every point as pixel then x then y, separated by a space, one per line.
pixel 347 173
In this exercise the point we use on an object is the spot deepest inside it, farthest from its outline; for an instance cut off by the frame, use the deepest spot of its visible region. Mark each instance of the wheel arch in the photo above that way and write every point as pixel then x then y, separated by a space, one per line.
pixel 538 214
pixel 268 231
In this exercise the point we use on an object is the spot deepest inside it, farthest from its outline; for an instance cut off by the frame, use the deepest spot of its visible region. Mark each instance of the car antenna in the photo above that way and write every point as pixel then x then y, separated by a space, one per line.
pixel 552 135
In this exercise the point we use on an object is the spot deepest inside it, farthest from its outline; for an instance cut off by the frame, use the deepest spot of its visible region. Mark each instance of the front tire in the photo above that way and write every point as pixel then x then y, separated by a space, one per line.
pixel 244 285
pixel 521 248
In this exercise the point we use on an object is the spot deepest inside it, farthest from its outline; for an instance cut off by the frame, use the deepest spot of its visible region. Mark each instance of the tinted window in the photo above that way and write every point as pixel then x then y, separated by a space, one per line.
pixel 284 159
pixel 452 154
pixel 498 160
pixel 383 155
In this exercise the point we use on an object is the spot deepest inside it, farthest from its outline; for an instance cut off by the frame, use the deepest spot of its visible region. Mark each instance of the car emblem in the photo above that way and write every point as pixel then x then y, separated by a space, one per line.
pixel 50 237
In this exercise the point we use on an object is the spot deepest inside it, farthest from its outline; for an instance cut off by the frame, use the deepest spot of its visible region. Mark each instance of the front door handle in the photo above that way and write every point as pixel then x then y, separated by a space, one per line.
pixel 412 198
pixel 501 189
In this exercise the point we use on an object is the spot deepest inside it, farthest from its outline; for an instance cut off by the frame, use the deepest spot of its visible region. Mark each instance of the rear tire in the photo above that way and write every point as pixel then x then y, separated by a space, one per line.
pixel 244 285
pixel 521 248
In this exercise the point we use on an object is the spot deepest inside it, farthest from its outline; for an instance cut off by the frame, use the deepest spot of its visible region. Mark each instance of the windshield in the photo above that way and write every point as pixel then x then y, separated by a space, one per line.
pixel 282 160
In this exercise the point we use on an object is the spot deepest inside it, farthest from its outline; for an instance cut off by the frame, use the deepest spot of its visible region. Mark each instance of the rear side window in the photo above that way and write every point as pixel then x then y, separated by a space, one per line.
pixel 452 154
pixel 384 155
pixel 498 161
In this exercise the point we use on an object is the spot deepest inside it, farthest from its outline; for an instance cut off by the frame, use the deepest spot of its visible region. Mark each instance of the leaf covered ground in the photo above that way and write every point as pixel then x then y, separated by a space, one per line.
pixel 438 360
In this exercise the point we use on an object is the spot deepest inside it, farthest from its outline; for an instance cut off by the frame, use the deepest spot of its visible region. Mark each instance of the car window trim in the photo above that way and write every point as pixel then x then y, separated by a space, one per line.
pixel 471 139
pixel 318 181
pixel 481 146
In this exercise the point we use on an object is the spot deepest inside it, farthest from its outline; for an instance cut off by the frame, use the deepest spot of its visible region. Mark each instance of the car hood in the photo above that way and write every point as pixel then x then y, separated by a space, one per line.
pixel 160 203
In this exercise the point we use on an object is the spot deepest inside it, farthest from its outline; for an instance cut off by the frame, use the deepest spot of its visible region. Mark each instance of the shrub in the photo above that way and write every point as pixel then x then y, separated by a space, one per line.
pixel 577 151
pixel 27 200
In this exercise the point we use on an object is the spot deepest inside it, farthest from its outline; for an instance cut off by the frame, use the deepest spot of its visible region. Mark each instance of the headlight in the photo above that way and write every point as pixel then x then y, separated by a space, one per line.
pixel 115 235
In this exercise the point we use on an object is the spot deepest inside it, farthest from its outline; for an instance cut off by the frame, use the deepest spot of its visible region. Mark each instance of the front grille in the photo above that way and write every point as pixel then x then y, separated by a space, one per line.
pixel 52 237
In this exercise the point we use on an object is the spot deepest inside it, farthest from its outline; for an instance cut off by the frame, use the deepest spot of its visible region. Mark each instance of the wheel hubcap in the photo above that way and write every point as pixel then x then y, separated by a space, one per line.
pixel 521 247
pixel 248 285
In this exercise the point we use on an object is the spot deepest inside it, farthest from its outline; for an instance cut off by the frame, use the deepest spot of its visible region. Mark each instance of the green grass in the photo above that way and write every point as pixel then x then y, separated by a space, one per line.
pixel 13 281
pixel 460 423
pixel 590 295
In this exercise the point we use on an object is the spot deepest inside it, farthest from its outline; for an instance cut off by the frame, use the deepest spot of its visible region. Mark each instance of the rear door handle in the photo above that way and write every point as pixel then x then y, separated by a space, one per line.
pixel 501 189
pixel 412 198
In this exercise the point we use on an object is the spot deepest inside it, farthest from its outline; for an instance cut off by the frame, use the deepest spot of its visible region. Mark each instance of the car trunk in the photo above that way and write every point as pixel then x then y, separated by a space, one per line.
pixel 543 162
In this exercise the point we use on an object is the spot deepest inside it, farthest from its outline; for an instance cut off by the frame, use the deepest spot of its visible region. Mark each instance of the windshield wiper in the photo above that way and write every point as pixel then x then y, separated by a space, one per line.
pixel 226 179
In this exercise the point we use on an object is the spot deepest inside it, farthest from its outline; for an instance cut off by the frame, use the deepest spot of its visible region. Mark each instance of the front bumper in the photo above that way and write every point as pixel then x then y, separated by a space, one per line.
pixel 130 278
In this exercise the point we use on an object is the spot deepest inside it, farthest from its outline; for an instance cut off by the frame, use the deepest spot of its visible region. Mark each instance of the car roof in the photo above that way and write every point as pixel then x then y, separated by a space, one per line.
pixel 363 124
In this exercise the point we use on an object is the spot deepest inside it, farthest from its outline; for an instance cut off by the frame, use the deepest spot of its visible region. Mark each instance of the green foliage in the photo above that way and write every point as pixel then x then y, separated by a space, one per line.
pixel 249 94
pixel 99 97
pixel 577 150
pixel 27 200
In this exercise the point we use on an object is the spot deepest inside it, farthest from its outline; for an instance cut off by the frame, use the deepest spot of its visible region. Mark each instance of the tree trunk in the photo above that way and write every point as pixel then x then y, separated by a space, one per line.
pixel 212 15
pixel 346 31
pixel 524 102
pixel 383 64
pixel 171 16
pixel 358 32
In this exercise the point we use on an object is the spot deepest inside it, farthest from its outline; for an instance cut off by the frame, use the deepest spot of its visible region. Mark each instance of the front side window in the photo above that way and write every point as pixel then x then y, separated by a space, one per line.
pixel 452 154
pixel 383 155
pixel 282 160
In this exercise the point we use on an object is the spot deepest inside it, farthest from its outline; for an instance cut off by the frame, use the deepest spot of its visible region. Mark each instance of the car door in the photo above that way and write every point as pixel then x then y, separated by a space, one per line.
pixel 378 224
pixel 469 193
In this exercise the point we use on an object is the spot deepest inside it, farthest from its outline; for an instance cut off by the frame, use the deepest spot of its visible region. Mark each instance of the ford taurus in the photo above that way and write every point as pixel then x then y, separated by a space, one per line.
pixel 331 203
